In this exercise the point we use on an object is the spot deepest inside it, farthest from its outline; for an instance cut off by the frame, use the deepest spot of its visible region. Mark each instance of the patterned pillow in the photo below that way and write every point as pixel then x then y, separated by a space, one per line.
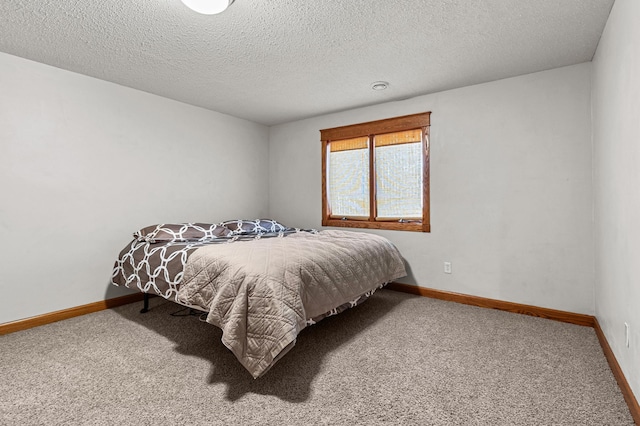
pixel 258 226
pixel 181 232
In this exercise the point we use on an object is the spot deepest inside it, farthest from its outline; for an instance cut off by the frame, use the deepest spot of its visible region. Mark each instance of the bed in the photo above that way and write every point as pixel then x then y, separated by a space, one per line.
pixel 258 280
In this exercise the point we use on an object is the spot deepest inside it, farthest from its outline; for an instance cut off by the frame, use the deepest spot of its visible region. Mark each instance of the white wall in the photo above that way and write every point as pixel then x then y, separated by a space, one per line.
pixel 84 163
pixel 511 203
pixel 616 141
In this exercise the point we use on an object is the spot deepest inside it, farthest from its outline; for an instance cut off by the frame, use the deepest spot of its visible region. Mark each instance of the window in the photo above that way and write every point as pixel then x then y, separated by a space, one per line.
pixel 376 174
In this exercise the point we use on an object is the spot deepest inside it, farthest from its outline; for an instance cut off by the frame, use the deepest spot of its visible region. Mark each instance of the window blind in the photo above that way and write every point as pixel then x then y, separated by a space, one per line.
pixel 349 178
pixel 398 167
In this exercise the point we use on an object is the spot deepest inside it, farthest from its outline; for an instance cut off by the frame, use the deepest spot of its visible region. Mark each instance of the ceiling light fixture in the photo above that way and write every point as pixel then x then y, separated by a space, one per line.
pixel 379 85
pixel 208 7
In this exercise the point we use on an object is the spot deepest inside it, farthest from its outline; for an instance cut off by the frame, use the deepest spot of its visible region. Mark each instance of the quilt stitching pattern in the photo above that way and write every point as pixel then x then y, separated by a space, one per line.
pixel 159 267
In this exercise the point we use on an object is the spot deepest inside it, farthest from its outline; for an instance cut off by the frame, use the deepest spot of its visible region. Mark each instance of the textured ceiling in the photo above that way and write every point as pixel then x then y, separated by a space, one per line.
pixel 274 61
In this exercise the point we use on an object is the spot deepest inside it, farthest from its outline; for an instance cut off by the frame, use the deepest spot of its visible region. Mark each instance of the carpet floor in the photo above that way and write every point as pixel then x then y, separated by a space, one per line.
pixel 397 359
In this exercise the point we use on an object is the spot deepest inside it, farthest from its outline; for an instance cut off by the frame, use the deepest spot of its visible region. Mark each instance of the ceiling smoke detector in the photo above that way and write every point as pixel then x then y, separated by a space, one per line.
pixel 379 85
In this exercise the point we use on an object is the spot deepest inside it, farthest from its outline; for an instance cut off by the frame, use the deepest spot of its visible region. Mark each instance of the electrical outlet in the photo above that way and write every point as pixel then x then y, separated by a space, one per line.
pixel 626 334
pixel 447 267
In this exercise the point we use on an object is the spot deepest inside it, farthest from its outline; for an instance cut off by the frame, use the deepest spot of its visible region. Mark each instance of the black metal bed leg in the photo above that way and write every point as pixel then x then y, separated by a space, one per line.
pixel 145 309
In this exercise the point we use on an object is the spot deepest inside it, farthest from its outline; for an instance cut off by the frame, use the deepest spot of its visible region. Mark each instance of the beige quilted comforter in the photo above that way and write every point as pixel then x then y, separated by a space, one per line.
pixel 261 293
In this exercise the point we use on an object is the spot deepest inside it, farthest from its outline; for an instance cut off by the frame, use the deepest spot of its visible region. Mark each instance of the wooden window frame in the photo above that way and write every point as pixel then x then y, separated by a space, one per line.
pixel 370 129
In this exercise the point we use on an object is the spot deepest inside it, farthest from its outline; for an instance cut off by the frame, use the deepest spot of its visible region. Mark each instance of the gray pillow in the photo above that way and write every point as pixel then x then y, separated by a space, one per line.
pixel 181 232
pixel 258 226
